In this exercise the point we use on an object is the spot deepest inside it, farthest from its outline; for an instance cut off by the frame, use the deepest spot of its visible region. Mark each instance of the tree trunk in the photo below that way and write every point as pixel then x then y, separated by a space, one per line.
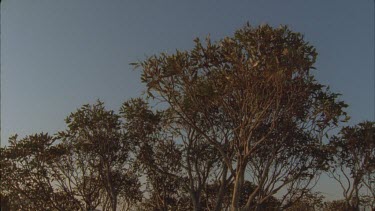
pixel 238 183
pixel 220 195
pixel 114 203
pixel 195 196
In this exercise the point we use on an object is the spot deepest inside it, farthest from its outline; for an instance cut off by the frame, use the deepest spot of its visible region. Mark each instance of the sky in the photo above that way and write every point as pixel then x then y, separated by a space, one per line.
pixel 58 55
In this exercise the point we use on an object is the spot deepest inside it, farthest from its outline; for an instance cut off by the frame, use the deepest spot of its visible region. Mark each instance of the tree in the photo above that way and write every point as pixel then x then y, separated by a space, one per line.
pixel 27 181
pixel 210 199
pixel 236 92
pixel 353 161
pixel 176 163
pixel 309 202
pixel 337 205
pixel 95 137
pixel 84 167
pixel 289 160
pixel 157 156
pixel 75 176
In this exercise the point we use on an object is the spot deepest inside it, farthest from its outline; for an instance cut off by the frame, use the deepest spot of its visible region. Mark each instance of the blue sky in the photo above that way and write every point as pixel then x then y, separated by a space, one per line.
pixel 57 55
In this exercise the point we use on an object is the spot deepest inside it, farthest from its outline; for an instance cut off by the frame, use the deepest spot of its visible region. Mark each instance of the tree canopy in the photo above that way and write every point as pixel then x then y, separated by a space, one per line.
pixel 249 95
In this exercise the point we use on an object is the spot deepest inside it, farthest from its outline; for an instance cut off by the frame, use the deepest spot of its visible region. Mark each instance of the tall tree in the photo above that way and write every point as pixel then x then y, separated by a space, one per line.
pixel 241 87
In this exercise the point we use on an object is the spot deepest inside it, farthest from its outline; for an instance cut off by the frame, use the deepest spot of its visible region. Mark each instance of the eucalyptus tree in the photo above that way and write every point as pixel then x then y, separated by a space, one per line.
pixel 101 148
pixel 240 88
pixel 210 200
pixel 336 205
pixel 157 158
pixel 89 165
pixel 176 162
pixel 311 201
pixel 27 181
pixel 287 164
pixel 369 183
pixel 73 173
pixel 353 162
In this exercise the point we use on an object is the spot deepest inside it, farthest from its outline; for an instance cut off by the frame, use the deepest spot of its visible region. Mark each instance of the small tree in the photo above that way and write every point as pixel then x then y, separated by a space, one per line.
pixel 95 136
pixel 311 201
pixel 27 179
pixel 353 162
pixel 337 205
pixel 75 176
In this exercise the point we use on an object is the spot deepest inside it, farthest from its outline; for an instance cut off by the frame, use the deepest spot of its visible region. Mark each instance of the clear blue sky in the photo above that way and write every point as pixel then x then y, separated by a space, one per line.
pixel 57 55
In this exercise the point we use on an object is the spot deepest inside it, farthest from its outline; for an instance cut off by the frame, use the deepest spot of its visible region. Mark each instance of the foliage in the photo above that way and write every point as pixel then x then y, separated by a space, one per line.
pixel 94 134
pixel 26 177
pixel 353 162
pixel 308 202
pixel 81 168
pixel 337 205
pixel 236 92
